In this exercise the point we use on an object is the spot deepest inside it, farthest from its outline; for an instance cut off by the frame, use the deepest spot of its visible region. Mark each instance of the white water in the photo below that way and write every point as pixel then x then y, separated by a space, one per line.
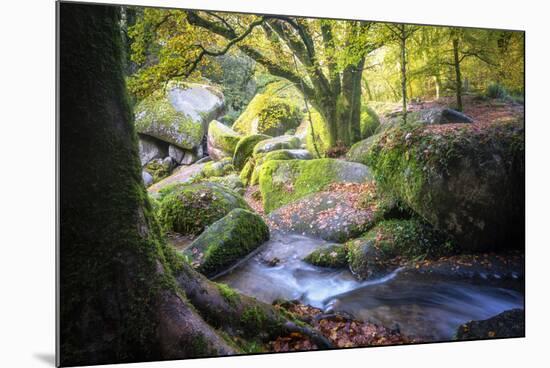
pixel 430 309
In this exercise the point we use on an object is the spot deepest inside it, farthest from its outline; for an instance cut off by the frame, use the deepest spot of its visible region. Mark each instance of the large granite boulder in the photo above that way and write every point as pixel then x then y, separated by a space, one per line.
pixel 464 179
pixel 227 241
pixel 283 182
pixel 181 115
pixel 151 149
pixel 245 147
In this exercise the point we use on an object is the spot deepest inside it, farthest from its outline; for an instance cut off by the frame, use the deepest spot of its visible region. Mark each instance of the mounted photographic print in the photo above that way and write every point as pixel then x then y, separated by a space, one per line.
pixel 235 183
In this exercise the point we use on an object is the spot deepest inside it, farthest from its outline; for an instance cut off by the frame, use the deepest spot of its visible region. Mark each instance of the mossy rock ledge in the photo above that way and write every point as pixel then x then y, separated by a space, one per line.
pixel 330 256
pixel 277 143
pixel 180 115
pixel 282 154
pixel 189 208
pixel 245 147
pixel 370 255
pixel 221 140
pixel 283 182
pixel 465 180
pixel 227 241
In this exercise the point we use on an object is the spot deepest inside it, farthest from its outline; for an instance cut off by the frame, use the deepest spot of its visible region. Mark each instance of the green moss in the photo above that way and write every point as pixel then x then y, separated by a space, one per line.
pixel 282 182
pixel 246 172
pixel 322 135
pixel 229 294
pixel 277 143
pixel 228 240
pixel 158 170
pixel 245 147
pixel 254 319
pixel 269 113
pixel 333 256
pixel 369 121
pixel 217 168
pixel 223 137
pixel 189 208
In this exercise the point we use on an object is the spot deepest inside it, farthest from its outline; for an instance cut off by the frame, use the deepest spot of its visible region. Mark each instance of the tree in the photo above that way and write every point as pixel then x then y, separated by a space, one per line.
pixel 125 295
pixel 329 55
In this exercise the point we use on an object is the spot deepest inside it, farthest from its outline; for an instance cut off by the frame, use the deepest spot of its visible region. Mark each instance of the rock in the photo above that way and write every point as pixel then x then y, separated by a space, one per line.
pixel 189 158
pixel 245 147
pixel 283 182
pixel 333 215
pixel 147 178
pixel 467 182
pixel 277 143
pixel 369 121
pixel 181 175
pixel 271 112
pixel 321 129
pixel 358 152
pixel 176 153
pixel 439 116
pixel 169 163
pixel 221 141
pixel 332 256
pixel 189 208
pixel 371 255
pixel 180 116
pixel 159 168
pixel 227 241
pixel 231 181
pixel 510 323
pixel 150 149
pixel 282 154
pixel 218 168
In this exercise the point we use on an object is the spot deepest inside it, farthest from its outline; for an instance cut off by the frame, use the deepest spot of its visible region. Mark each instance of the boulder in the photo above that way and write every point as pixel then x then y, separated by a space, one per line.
pixel 510 323
pixel 321 130
pixel 189 208
pixel 150 149
pixel 369 121
pixel 181 175
pixel 245 147
pixel 176 153
pixel 283 182
pixel 439 115
pixel 336 214
pixel 277 143
pixel 282 154
pixel 227 241
pixel 221 140
pixel 467 181
pixel 159 168
pixel 272 112
pixel 179 116
pixel 331 256
pixel 189 158
pixel 371 255
pixel 147 178
pixel 358 152
pixel 217 168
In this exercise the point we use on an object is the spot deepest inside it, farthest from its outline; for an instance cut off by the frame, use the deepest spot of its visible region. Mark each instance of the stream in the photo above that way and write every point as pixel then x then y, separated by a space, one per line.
pixel 428 309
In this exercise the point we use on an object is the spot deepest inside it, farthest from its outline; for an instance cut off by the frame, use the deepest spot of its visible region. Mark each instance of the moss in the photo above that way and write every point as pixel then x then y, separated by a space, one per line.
pixel 229 294
pixel 278 143
pixel 158 170
pixel 217 168
pixel 228 240
pixel 269 113
pixel 189 208
pixel 282 182
pixel 222 137
pixel 322 135
pixel 245 147
pixel 156 116
pixel 246 172
pixel 369 121
pixel 254 319
pixel 333 256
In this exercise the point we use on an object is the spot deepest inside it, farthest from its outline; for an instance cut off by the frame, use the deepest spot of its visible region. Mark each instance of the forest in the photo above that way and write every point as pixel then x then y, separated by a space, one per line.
pixel 243 183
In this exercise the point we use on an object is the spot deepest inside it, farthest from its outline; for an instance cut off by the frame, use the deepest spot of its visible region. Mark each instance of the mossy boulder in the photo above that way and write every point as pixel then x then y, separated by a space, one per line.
pixel 180 115
pixel 332 256
pixel 189 208
pixel 227 241
pixel 282 182
pixel 510 323
pixel 245 147
pixel 321 133
pixel 221 140
pixel 358 152
pixel 369 121
pixel 218 168
pixel 231 181
pixel 271 112
pixel 282 154
pixel 466 180
pixel 371 255
pixel 159 169
pixel 277 143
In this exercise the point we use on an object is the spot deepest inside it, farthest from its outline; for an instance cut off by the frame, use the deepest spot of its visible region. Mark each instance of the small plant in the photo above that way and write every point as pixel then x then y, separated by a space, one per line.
pixel 495 90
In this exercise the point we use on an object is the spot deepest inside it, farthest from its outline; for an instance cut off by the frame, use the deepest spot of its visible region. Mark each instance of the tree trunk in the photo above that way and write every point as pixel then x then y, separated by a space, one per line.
pixel 125 295
pixel 403 39
pixel 458 77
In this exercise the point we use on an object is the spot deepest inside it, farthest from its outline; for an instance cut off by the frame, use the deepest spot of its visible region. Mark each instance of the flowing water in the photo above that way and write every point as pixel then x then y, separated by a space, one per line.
pixel 429 309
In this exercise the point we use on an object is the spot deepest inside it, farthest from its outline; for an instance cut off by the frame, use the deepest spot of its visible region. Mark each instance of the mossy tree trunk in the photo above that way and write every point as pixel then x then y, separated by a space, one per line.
pixel 125 295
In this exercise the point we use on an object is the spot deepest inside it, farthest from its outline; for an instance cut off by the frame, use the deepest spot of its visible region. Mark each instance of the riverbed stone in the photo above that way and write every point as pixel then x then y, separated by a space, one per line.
pixel 331 256
pixel 227 241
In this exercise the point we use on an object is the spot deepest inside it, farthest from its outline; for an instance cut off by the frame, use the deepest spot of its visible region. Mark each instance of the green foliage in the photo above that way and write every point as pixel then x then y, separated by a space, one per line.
pixel 229 294
pixel 495 90
pixel 369 121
